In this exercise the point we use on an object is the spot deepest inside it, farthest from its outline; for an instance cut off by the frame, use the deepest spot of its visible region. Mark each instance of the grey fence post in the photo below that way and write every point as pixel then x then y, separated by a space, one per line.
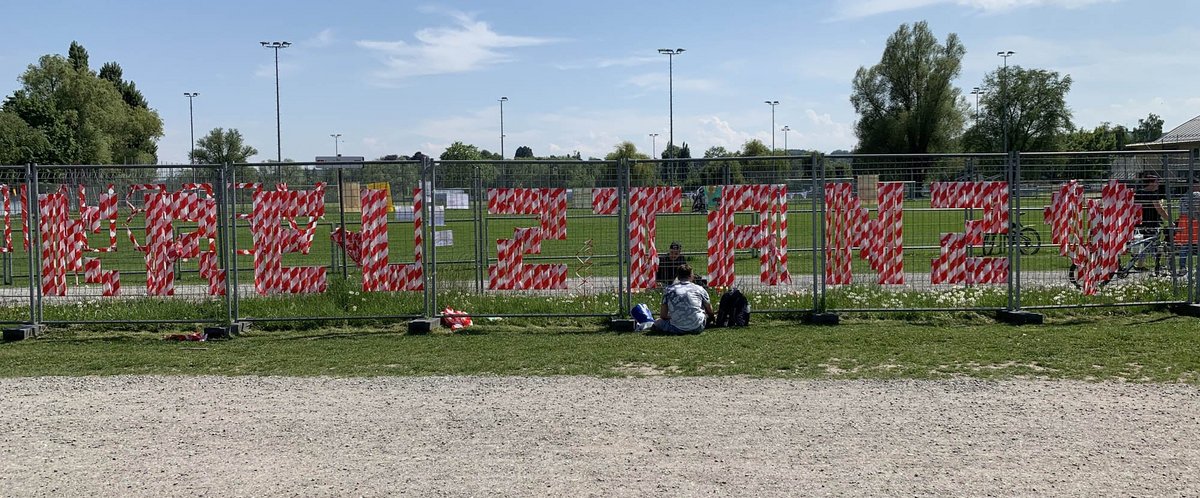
pixel 231 221
pixel 30 216
pixel 625 293
pixel 36 245
pixel 222 191
pixel 481 259
pixel 1014 233
pixel 429 262
pixel 341 195
pixel 818 222
pixel 1190 263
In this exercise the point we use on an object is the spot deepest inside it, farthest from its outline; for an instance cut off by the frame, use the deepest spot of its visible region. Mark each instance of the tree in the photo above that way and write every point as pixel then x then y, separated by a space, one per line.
pixel 762 169
pixel 461 175
pixel 222 146
pixel 84 117
pixel 1029 105
pixel 523 152
pixel 906 103
pixel 1148 130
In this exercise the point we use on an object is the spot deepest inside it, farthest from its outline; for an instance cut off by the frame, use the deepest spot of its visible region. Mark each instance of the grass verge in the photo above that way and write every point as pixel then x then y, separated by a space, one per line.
pixel 1147 347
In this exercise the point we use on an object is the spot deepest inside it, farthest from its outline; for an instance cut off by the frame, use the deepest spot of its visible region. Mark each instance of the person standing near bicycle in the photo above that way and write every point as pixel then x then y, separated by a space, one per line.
pixel 1150 197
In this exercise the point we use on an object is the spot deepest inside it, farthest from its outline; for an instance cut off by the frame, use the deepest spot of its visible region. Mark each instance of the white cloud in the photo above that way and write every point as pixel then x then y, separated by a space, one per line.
pixel 854 9
pixel 467 46
pixel 323 39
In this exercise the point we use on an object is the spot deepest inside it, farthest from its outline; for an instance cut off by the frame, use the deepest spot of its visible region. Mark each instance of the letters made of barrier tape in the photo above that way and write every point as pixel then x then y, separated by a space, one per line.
pixel 769 235
pixel 369 248
pixel 1093 247
pixel 510 271
pixel 271 241
pixel 644 205
pixel 848 225
pixel 953 266
pixel 162 248
pixel 65 241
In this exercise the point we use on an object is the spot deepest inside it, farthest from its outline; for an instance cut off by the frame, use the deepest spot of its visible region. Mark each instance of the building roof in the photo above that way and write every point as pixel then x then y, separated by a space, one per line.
pixel 1184 136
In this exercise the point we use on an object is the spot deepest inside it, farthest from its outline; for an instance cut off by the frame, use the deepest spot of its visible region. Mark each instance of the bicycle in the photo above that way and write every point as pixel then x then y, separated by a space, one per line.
pixel 1030 240
pixel 1143 246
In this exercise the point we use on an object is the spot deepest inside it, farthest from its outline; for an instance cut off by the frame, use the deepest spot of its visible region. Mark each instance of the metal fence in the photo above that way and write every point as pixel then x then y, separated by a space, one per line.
pixel 304 242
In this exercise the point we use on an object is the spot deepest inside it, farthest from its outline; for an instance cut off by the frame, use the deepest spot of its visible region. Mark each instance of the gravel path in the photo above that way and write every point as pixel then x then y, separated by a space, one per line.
pixel 573 436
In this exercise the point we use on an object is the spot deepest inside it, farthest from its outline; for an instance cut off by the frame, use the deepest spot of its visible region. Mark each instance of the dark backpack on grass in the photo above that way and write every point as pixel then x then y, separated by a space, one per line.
pixel 733 310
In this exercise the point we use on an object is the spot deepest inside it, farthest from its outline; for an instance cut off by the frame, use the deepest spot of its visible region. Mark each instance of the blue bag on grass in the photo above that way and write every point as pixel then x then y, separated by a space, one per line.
pixel 641 313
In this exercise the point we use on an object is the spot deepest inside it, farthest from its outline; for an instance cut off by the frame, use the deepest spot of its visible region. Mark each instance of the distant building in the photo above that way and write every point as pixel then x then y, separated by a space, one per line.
pixel 1184 137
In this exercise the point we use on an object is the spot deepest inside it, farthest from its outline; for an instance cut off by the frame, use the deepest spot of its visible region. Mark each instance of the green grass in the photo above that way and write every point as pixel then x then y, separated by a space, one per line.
pixel 1154 347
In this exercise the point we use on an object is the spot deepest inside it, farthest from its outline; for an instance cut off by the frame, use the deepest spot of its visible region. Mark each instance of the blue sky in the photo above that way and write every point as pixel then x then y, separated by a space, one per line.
pixel 398 77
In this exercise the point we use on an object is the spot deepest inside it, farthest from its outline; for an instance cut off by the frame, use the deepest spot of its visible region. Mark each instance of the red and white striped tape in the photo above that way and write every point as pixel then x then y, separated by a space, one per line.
pixel 769 236
pixel 1095 246
pixel 510 271
pixel 849 225
pixel 952 266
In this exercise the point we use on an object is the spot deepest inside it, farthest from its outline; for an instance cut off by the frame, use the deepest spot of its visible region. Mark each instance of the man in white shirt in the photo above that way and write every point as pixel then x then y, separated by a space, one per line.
pixel 685 306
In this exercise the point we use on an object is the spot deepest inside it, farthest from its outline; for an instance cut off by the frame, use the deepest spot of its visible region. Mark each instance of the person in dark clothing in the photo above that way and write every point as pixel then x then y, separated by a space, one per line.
pixel 1150 197
pixel 669 263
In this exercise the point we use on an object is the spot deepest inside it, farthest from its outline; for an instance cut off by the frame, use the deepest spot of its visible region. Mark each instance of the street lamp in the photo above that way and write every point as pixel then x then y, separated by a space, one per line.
pixel 336 136
pixel 502 101
pixel 772 103
pixel 276 45
pixel 671 53
pixel 1004 94
pixel 976 92
pixel 785 129
pixel 191 126
pixel 653 144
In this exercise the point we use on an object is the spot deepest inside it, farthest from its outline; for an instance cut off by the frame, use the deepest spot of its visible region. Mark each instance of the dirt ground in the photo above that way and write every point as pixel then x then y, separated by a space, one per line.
pixel 575 436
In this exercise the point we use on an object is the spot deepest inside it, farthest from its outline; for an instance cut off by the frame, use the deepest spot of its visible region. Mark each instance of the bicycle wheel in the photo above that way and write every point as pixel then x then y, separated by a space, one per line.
pixel 989 244
pixel 1031 241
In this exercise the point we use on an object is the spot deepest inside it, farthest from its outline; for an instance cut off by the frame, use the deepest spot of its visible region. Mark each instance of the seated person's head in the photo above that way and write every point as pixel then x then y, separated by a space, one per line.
pixel 684 273
pixel 675 248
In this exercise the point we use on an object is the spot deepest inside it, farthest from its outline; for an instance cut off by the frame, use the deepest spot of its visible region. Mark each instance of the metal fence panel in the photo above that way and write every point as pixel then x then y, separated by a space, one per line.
pixel 528 237
pixel 331 241
pixel 904 232
pixel 16 258
pixel 731 219
pixel 127 244
pixel 1078 240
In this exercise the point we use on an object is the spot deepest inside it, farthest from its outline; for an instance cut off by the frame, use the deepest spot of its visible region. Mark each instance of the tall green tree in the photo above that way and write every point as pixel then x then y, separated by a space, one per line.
pixel 906 103
pixel 222 146
pixel 523 152
pixel 85 118
pixel 1148 130
pixel 1029 106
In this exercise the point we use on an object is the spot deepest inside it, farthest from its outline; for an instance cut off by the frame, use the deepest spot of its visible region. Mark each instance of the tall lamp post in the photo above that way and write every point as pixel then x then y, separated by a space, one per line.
pixel 976 92
pixel 336 136
pixel 502 101
pixel 653 144
pixel 1004 94
pixel 192 128
pixel 276 45
pixel 671 53
pixel 772 103
pixel 785 129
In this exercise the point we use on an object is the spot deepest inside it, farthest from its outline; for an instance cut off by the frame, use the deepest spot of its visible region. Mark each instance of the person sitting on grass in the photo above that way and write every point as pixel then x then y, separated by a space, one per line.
pixel 685 306
pixel 668 265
